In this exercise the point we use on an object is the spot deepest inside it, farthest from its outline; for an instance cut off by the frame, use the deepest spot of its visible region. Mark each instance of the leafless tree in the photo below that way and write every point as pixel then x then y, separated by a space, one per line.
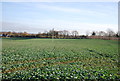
pixel 75 33
pixel 65 32
pixel 110 32
pixel 60 32
pixel 101 33
pixel 87 33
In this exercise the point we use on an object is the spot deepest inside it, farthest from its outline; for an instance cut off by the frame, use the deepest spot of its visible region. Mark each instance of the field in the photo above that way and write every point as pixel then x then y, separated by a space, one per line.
pixel 59 59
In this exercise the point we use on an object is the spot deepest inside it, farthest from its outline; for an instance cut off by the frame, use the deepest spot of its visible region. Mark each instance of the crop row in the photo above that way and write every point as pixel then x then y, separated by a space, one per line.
pixel 63 59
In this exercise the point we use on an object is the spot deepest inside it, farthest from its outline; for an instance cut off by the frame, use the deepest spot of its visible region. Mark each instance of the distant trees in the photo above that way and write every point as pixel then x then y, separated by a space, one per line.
pixel 93 33
pixel 87 33
pixel 47 34
pixel 108 35
pixel 117 34
pixel 63 34
pixel 110 32
pixel 75 33
pixel 101 33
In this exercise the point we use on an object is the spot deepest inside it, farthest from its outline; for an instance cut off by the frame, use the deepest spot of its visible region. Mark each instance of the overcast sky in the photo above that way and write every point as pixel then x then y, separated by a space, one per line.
pixel 34 17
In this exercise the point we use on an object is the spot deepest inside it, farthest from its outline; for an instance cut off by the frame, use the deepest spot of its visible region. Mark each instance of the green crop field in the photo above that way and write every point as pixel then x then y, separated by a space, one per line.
pixel 59 59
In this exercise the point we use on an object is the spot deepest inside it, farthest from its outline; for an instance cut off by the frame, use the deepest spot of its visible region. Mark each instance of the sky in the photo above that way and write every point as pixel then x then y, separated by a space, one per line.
pixel 34 17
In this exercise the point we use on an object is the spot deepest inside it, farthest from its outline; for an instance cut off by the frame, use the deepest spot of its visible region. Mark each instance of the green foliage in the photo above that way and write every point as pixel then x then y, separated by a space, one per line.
pixel 59 59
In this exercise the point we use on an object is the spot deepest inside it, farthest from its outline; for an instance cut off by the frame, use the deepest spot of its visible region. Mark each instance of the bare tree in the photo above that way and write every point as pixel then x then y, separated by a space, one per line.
pixel 101 33
pixel 46 32
pixel 87 33
pixel 24 34
pixel 110 32
pixel 60 32
pixel 75 33
pixel 65 33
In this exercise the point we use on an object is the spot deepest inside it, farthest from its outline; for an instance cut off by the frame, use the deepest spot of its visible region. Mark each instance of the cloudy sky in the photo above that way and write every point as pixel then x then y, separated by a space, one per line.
pixel 34 17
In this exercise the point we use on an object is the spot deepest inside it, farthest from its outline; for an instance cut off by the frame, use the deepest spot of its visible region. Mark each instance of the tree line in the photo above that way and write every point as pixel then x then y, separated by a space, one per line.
pixel 60 34
pixel 47 34
pixel 108 33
